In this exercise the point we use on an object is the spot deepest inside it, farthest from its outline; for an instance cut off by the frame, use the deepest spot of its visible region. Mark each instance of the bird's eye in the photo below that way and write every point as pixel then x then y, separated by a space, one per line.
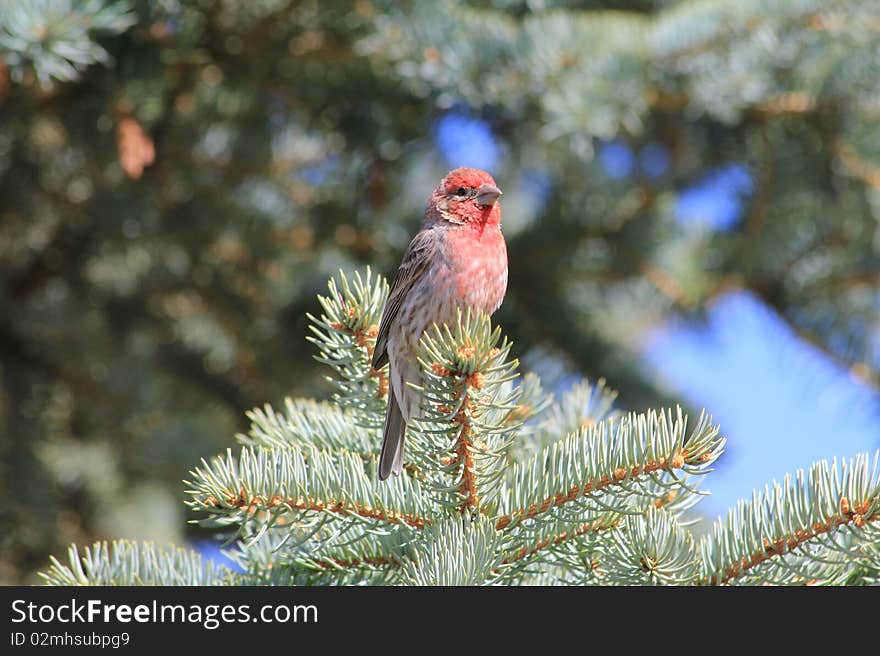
pixel 461 191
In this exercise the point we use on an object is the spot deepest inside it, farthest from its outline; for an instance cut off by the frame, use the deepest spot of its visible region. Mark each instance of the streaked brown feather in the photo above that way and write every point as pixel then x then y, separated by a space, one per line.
pixel 418 255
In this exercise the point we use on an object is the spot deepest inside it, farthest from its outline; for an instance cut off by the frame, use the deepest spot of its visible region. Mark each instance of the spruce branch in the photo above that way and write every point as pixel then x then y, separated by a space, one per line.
pixel 865 568
pixel 56 38
pixel 600 466
pixel 456 551
pixel 857 165
pixel 694 27
pixel 345 335
pixel 563 539
pixel 592 496
pixel 558 541
pixel 690 54
pixel 650 549
pixel 585 404
pixel 811 528
pixel 326 556
pixel 300 487
pixel 465 430
pixel 677 501
pixel 130 563
pixel 304 423
pixel 532 403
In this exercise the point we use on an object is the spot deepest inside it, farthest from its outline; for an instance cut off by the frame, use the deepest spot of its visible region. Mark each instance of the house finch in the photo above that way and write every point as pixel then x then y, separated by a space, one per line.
pixel 458 260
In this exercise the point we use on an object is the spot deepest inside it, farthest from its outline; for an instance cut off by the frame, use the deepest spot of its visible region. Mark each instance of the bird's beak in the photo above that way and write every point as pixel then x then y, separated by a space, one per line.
pixel 487 194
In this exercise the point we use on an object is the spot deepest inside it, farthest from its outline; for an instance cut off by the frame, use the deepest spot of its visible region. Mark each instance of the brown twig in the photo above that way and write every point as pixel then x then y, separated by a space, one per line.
pixel 540 545
pixel 339 507
pixel 468 487
pixel 664 283
pixel 463 445
pixel 787 544
pixel 351 563
pixel 618 476
pixel 664 500
pixel 838 22
pixel 864 170
pixel 583 529
pixel 766 174
pixel 366 339
pixel 789 103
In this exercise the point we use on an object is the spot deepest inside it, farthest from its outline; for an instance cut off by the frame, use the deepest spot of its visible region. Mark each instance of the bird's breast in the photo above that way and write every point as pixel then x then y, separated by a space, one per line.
pixel 469 271
pixel 477 260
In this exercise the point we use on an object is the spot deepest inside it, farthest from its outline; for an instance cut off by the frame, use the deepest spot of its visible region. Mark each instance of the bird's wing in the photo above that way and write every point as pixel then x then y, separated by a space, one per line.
pixel 420 253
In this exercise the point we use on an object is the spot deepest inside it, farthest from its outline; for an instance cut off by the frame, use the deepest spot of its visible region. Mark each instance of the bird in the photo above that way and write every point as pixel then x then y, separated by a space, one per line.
pixel 457 261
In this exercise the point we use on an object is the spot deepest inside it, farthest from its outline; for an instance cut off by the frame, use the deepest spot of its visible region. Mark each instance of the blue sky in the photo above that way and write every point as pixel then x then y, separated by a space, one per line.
pixel 211 549
pixel 781 403
pixel 715 201
pixel 464 140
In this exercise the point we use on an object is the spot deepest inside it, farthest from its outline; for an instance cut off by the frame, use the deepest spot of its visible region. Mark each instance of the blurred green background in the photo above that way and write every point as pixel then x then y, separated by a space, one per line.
pixel 691 203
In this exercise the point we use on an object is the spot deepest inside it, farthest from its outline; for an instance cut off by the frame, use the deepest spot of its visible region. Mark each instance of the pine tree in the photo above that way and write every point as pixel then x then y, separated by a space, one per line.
pixel 502 486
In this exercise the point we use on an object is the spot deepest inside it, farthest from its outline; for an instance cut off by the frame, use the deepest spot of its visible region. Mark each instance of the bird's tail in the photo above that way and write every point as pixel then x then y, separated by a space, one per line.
pixel 393 435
